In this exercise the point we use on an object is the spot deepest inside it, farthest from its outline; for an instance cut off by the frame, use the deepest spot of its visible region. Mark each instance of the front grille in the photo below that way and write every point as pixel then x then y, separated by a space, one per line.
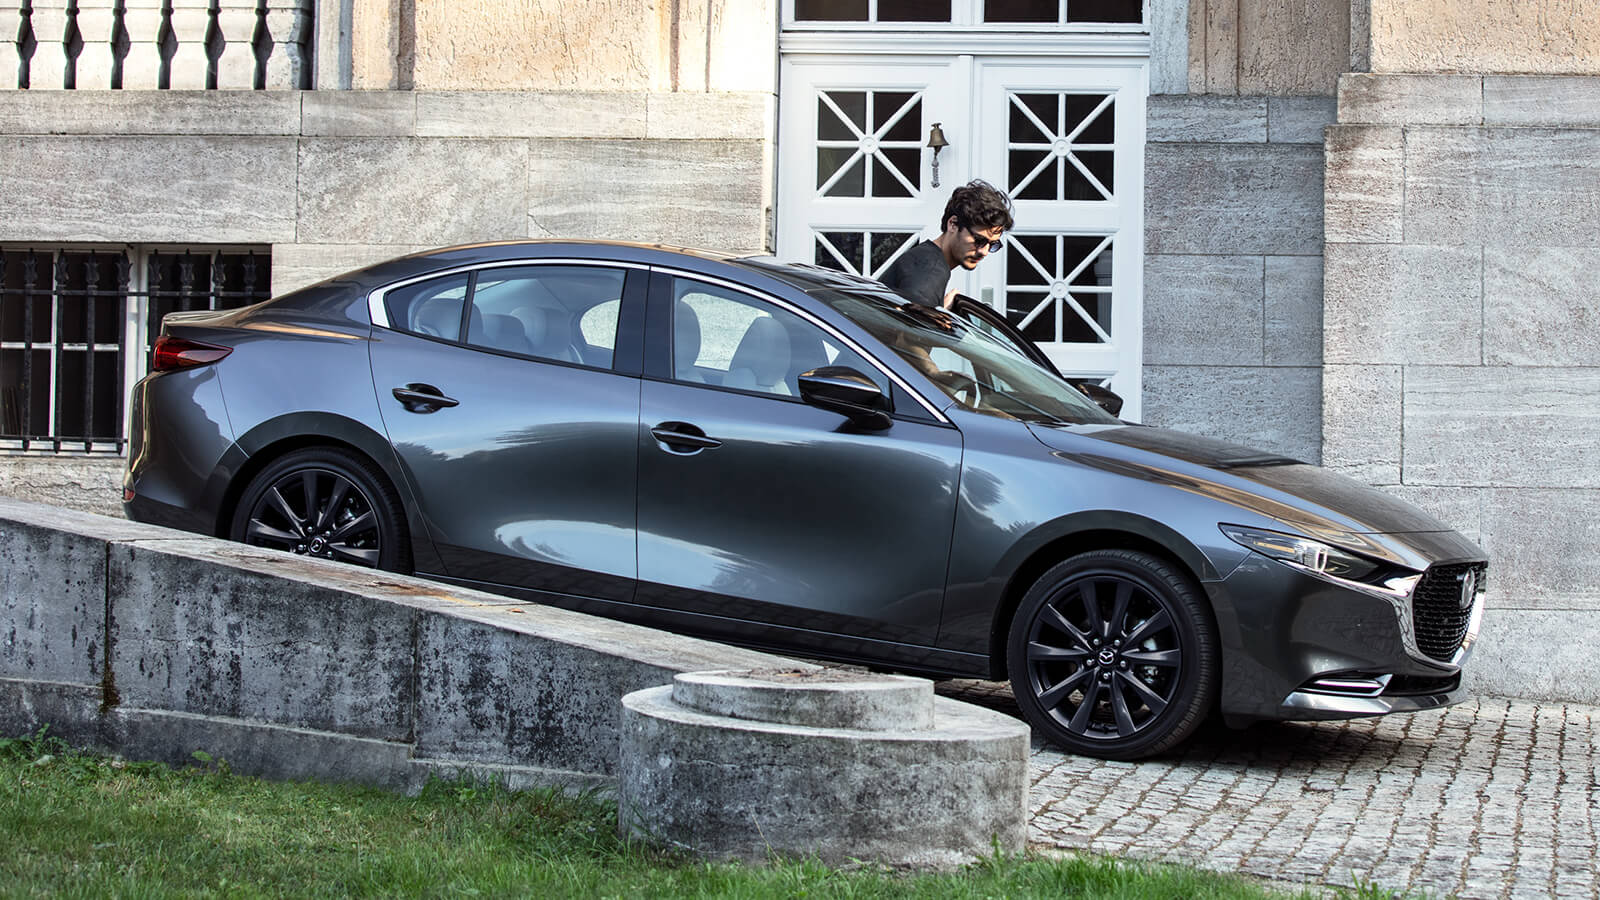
pixel 1439 619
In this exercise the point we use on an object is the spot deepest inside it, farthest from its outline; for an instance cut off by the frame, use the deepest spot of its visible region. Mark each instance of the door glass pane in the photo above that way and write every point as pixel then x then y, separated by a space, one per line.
pixel 727 339
pixel 869 143
pixel 913 10
pixel 431 308
pixel 830 10
pixel 535 311
pixel 1022 11
pixel 1058 287
pixel 1105 11
pixel 847 251
pixel 1060 146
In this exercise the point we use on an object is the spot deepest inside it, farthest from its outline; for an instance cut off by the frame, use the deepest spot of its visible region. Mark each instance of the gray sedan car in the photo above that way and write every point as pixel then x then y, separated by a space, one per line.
pixel 785 457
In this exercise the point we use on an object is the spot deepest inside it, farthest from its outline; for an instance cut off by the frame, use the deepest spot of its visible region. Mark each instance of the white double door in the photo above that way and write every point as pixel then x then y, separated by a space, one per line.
pixel 1063 137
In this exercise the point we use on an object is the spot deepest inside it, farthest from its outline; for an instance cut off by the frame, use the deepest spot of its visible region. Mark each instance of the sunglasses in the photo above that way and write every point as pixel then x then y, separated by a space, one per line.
pixel 993 246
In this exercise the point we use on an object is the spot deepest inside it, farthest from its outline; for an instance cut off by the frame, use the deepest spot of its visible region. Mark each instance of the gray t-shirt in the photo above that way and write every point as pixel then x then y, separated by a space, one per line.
pixel 920 274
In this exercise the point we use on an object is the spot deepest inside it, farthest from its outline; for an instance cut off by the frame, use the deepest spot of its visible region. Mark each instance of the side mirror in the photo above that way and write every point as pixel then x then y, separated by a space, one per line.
pixel 1104 398
pixel 847 392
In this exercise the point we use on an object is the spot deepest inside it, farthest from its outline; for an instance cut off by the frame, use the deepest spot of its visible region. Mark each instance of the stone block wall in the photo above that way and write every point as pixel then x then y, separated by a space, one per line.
pixel 1462 339
pixel 337 179
pixel 1233 268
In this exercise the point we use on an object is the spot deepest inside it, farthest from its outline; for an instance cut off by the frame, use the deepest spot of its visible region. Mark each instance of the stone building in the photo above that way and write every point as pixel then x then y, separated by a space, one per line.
pixel 1361 232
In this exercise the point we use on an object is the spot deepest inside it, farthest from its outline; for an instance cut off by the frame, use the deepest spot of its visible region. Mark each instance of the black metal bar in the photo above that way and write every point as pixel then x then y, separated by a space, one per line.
pixel 219 282
pixel 59 305
pixel 186 281
pixel 91 272
pixel 30 276
pixel 124 271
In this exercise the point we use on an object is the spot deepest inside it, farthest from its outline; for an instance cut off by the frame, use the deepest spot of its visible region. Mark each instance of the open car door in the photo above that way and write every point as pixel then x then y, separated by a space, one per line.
pixel 986 319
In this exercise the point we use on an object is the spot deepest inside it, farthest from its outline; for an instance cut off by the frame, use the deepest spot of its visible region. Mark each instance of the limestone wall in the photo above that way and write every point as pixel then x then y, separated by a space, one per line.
pixel 337 179
pixel 1462 341
pixel 1233 269
pixel 1268 47
pixel 597 45
pixel 1485 36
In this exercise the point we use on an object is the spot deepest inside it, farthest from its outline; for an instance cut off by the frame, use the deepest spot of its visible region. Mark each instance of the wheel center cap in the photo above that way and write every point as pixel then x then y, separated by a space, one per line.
pixel 318 544
pixel 1107 657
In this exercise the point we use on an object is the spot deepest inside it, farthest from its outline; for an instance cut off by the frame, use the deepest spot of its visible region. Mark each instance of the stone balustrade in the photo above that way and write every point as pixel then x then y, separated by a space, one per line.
pixel 166 44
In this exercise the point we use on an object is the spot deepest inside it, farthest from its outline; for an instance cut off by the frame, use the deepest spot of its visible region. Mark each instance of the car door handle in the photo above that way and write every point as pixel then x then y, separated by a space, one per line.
pixel 681 437
pixel 423 398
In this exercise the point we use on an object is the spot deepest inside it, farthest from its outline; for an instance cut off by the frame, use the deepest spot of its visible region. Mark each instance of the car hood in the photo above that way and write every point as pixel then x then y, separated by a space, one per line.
pixel 1310 498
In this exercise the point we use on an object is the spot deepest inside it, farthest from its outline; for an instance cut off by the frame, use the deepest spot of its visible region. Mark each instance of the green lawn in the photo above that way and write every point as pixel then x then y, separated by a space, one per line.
pixel 80 824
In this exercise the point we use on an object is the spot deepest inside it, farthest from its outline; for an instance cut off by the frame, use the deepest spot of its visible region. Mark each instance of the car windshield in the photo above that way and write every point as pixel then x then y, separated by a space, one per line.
pixel 977 371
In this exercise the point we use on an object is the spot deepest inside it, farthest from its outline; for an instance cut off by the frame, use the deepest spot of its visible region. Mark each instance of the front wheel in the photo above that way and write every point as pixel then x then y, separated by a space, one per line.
pixel 324 502
pixel 1113 653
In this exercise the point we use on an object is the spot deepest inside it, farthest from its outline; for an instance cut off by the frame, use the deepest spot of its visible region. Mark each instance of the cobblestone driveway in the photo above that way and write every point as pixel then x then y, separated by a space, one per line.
pixel 1493 798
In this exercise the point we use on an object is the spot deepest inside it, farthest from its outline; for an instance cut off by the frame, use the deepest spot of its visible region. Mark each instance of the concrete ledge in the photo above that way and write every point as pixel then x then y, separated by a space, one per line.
pixel 298 668
pixel 907 790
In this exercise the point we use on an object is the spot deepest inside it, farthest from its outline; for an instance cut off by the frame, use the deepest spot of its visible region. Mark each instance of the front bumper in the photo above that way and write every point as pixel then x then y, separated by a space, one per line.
pixel 1298 647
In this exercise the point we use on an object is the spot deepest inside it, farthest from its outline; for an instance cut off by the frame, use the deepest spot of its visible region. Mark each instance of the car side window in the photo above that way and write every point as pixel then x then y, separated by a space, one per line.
pixel 728 339
pixel 431 308
pixel 545 312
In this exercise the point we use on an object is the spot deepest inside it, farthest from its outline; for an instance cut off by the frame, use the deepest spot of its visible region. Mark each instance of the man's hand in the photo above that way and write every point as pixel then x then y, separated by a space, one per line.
pixel 932 315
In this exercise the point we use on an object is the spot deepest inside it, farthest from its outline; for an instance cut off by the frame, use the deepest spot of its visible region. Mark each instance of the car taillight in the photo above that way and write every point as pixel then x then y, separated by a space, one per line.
pixel 178 353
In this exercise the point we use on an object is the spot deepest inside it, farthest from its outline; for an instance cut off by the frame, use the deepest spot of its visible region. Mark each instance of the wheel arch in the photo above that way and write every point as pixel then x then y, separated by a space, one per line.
pixel 271 440
pixel 1081 533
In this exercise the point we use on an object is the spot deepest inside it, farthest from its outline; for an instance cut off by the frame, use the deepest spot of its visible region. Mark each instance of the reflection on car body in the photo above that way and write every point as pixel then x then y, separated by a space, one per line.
pixel 779 456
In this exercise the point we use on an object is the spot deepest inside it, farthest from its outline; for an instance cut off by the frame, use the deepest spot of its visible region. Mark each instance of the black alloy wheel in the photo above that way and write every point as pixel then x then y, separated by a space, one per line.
pixel 1113 654
pixel 324 502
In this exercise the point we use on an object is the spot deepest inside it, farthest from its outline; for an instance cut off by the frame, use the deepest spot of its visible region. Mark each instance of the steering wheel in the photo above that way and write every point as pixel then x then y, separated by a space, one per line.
pixel 961 386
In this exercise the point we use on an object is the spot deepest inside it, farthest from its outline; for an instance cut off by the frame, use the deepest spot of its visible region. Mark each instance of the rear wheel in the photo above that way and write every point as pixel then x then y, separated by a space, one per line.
pixel 325 502
pixel 1113 654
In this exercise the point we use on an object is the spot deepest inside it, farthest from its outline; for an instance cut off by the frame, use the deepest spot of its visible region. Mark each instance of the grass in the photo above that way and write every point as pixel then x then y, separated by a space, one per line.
pixel 78 824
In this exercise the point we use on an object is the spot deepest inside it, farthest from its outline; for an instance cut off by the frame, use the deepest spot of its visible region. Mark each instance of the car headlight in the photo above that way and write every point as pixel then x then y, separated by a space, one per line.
pixel 1323 559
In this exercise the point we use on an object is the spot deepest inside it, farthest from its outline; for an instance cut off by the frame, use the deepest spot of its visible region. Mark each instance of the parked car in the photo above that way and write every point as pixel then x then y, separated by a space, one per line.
pixel 785 457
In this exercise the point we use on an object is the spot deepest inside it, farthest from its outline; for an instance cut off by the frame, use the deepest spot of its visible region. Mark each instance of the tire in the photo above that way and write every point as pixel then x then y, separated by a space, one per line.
pixel 325 502
pixel 1113 653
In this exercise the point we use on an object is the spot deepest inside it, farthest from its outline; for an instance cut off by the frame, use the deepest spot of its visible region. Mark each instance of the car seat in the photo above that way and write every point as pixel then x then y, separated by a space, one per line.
pixel 761 361
pixel 685 343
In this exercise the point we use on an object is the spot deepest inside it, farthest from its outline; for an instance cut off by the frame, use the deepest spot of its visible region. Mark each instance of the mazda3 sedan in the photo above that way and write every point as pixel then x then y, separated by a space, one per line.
pixel 788 458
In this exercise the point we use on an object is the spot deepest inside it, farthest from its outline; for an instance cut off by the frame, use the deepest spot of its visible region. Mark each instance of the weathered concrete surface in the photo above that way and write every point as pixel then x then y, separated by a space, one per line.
pixel 297 668
pixel 85 483
pixel 699 772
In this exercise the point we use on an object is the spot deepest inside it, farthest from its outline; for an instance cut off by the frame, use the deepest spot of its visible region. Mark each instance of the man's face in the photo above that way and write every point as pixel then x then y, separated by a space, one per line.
pixel 972 244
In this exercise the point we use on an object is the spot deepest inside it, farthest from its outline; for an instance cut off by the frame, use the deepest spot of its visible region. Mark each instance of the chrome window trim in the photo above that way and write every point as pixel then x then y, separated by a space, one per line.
pixel 379 313
pixel 789 307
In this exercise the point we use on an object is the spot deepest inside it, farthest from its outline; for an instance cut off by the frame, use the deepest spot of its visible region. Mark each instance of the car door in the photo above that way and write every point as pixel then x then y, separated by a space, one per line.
pixel 511 396
pixel 764 519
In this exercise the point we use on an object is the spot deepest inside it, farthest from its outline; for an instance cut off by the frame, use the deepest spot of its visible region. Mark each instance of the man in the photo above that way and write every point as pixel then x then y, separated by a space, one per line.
pixel 975 218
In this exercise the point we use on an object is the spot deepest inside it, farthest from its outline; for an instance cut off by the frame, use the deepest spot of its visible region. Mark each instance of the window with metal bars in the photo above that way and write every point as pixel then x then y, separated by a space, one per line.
pixel 76 328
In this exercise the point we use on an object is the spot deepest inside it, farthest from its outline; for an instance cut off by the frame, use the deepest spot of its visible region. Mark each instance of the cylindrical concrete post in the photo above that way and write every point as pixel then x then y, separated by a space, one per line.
pixel 840 764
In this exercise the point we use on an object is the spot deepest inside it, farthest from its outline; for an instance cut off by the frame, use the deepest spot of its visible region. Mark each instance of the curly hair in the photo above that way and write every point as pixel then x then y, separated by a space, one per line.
pixel 980 205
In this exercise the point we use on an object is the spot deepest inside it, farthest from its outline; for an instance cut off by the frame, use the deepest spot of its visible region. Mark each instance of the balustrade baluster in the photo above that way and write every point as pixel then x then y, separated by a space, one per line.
pixel 289 65
pixel 141 68
pixel 95 22
pixel 10 27
pixel 236 69
pixel 49 66
pixel 189 24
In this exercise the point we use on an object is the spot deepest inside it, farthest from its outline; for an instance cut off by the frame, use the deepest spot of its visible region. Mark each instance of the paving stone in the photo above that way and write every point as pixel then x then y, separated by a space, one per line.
pixel 1492 798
